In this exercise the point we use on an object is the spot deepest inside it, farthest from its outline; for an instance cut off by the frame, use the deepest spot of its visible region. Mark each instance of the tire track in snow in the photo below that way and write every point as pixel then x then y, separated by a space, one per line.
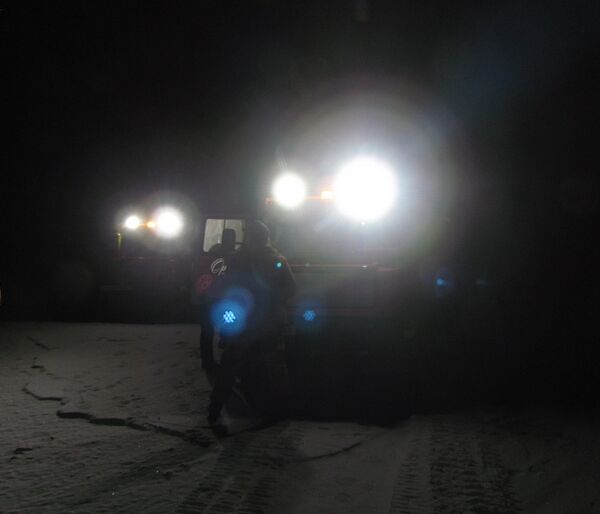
pixel 466 475
pixel 449 469
pixel 245 476
pixel 412 490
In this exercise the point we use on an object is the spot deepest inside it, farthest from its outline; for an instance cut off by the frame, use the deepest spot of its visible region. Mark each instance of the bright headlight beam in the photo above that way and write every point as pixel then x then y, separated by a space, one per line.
pixel 133 222
pixel 365 189
pixel 169 222
pixel 289 190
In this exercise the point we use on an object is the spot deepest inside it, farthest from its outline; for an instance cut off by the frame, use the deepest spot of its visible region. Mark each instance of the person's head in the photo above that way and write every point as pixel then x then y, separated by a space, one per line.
pixel 257 235
pixel 228 241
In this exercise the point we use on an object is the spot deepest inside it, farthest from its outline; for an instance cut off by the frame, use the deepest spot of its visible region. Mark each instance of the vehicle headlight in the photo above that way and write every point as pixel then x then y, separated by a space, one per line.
pixel 365 189
pixel 132 222
pixel 168 222
pixel 289 190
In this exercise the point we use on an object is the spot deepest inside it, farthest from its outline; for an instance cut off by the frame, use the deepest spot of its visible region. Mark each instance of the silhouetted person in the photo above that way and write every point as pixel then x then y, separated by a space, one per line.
pixel 264 273
pixel 227 244
pixel 209 295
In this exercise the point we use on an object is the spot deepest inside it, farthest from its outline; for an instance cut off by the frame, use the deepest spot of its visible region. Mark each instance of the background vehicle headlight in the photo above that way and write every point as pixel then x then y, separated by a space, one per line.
pixel 132 222
pixel 365 189
pixel 289 190
pixel 168 222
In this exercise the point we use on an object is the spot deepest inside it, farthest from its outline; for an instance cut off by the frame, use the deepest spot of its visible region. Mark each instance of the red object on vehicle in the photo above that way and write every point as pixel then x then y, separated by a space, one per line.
pixel 203 283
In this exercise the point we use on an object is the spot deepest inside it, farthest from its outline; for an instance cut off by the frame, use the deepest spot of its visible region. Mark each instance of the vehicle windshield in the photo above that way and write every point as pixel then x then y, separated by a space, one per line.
pixel 213 233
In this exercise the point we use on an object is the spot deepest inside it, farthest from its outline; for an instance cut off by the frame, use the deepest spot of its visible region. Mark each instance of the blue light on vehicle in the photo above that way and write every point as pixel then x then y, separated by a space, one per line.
pixel 229 317
pixel 309 315
pixel 441 282
pixel 279 265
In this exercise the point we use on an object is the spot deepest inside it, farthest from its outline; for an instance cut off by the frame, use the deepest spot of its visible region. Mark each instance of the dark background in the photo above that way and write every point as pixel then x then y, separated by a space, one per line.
pixel 108 102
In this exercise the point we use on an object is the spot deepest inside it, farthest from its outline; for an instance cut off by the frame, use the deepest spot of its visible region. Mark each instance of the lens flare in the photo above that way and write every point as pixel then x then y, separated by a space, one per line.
pixel 365 189
pixel 229 316
pixel 289 190
pixel 309 315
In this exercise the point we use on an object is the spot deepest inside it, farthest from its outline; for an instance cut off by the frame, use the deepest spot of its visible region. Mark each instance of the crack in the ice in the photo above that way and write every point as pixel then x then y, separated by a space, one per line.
pixel 38 343
pixel 191 436
pixel 41 398
pixel 326 455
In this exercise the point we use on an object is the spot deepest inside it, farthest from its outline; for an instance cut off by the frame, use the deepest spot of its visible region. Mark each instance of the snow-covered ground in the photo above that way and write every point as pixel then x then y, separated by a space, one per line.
pixel 110 418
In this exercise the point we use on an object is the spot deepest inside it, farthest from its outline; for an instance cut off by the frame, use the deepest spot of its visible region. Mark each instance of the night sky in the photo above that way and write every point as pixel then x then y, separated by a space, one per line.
pixel 108 102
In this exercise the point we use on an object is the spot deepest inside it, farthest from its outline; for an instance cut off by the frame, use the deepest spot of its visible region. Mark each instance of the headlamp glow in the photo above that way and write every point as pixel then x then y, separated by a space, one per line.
pixel 289 191
pixel 365 189
pixel 132 222
pixel 168 222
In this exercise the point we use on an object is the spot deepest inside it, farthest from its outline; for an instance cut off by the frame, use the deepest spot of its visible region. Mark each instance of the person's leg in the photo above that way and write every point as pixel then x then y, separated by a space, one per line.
pixel 231 363
pixel 207 333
